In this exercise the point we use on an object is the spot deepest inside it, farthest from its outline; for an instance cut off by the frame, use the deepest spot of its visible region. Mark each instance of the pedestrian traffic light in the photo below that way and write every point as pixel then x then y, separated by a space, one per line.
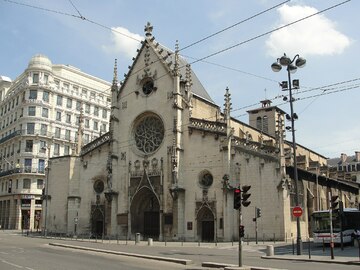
pixel 258 212
pixel 334 202
pixel 245 195
pixel 241 231
pixel 237 198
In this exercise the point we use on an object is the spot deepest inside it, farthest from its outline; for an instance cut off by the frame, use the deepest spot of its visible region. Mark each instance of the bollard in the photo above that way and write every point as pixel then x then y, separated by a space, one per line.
pixel 150 241
pixel 309 248
pixel 270 250
pixel 165 241
pixel 199 243
pixel 117 239
pixel 323 245
pixel 286 237
pixel 293 246
pixel 137 238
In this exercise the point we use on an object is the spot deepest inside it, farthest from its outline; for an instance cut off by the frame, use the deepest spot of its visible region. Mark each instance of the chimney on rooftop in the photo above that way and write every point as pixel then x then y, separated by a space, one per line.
pixel 343 158
pixel 357 156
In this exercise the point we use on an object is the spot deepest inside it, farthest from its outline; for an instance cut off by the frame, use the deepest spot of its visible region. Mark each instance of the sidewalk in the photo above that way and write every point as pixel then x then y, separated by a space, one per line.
pixel 184 252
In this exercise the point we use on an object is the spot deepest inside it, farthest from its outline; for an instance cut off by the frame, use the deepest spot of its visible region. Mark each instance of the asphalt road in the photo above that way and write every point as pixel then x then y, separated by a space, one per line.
pixel 19 252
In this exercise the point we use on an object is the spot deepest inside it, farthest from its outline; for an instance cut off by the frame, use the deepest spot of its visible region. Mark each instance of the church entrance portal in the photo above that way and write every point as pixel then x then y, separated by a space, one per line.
pixel 97 222
pixel 145 214
pixel 205 225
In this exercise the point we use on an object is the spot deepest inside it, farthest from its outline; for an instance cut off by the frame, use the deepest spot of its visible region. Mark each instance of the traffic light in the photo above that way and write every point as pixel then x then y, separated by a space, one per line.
pixel 241 231
pixel 334 202
pixel 245 195
pixel 237 198
pixel 258 212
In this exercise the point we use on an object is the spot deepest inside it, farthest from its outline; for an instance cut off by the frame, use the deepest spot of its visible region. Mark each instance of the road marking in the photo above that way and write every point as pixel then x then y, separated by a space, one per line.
pixel 12 264
pixel 4 253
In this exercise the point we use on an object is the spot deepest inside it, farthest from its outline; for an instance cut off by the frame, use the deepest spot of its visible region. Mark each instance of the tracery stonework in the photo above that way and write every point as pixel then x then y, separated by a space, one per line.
pixel 149 134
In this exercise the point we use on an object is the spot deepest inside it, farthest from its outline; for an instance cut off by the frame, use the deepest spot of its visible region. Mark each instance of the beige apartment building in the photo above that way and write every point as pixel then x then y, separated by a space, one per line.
pixel 169 164
pixel 39 119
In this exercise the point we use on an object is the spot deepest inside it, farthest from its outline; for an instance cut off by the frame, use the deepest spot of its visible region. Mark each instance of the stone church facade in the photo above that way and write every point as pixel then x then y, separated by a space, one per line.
pixel 168 166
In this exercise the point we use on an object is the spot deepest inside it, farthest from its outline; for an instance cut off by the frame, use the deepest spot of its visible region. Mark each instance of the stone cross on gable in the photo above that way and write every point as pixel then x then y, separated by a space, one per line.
pixel 148 29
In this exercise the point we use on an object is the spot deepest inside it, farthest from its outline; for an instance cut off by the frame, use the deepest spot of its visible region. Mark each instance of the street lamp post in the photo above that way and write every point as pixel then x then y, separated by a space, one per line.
pixel 291 67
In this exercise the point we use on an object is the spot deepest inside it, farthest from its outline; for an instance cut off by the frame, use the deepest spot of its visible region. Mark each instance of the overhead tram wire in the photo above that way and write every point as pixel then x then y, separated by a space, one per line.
pixel 80 16
pixel 232 26
pixel 268 32
pixel 198 60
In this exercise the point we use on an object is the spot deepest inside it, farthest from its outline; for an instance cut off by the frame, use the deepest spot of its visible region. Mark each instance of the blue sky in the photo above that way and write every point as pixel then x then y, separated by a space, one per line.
pixel 328 121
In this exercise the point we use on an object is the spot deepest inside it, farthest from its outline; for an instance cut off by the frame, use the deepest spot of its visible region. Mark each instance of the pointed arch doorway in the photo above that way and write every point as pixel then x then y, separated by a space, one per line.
pixel 145 214
pixel 206 225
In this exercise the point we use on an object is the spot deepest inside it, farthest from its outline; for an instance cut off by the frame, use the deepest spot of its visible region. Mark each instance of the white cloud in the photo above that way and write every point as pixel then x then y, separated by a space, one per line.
pixel 123 41
pixel 314 36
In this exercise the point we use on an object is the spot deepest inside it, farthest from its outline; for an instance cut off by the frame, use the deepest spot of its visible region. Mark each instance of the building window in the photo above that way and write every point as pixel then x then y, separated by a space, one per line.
pixel 43 130
pixel 30 127
pixel 59 100
pixel 45 112
pixel 96 125
pixel 57 83
pixel 265 127
pixel 69 103
pixel 92 95
pixel 40 184
pixel 41 166
pixel 103 127
pixel 46 79
pixel 29 145
pixel 87 108
pixel 76 90
pixel 32 111
pixel 96 111
pixel 78 105
pixel 86 138
pixel 67 134
pixel 104 113
pixel 66 150
pixel 148 133
pixel 57 132
pixel 205 179
pixel 35 78
pixel 46 96
pixel 33 94
pixel 58 116
pixel 42 147
pixel 28 165
pixel 84 92
pixel 68 118
pixel 26 183
pixel 56 149
pixel 87 123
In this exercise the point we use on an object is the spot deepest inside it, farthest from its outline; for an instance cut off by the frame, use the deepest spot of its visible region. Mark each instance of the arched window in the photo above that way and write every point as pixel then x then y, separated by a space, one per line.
pixel 259 123
pixel 265 126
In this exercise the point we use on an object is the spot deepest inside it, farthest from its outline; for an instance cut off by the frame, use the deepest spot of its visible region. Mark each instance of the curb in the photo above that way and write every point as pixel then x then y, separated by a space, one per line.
pixel 165 259
pixel 310 260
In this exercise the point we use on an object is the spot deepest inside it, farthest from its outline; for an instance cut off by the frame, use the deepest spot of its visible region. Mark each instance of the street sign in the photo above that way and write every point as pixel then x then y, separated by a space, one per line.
pixel 297 211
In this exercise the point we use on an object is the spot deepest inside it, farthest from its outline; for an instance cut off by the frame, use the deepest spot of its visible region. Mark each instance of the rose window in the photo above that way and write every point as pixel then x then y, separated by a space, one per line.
pixel 148 134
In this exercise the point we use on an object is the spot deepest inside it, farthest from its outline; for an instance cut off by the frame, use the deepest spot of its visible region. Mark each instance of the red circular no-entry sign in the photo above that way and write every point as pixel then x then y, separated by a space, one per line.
pixel 297 211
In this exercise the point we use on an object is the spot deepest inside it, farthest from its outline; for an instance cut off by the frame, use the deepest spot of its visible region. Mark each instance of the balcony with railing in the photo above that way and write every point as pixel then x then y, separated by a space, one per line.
pixel 25 169
pixel 10 136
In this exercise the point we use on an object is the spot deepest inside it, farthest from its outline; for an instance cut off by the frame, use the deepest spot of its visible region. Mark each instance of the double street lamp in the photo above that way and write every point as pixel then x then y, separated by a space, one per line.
pixel 291 67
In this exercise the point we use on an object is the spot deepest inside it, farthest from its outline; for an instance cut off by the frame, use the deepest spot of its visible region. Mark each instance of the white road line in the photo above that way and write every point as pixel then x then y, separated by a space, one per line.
pixel 12 264
pixel 4 253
